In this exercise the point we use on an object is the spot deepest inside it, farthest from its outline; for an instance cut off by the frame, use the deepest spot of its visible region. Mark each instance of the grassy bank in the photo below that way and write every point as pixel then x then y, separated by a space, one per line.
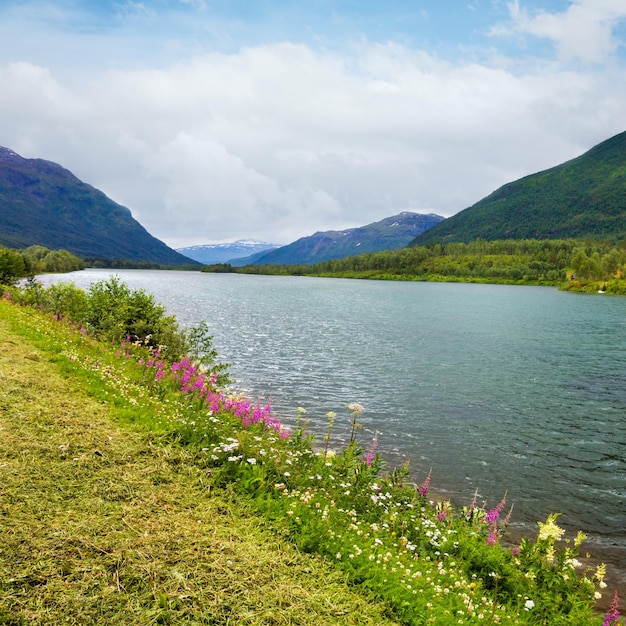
pixel 106 522
pixel 173 497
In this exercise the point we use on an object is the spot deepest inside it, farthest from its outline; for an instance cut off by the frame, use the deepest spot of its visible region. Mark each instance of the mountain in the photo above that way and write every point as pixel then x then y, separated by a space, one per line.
pixel 42 203
pixel 390 233
pixel 581 198
pixel 249 260
pixel 225 252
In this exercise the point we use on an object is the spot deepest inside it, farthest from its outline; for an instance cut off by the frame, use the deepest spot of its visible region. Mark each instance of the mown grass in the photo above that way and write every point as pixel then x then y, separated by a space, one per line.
pixel 105 523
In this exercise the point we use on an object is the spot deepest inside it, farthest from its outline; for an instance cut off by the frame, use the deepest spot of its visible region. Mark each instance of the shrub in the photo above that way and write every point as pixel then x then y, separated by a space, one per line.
pixel 12 266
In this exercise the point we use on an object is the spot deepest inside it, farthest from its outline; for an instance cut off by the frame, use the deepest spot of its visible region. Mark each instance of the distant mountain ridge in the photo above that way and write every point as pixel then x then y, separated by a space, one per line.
pixel 225 252
pixel 390 233
pixel 42 203
pixel 581 198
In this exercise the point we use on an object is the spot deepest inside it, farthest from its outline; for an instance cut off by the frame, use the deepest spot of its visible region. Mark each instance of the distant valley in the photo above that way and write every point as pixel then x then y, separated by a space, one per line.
pixel 390 233
pixel 232 253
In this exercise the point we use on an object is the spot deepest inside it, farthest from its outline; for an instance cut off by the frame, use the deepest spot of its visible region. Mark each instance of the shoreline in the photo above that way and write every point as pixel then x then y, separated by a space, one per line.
pixel 476 526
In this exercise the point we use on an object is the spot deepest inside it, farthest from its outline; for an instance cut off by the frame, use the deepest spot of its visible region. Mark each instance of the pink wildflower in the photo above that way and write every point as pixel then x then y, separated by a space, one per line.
pixel 423 490
pixel 612 615
pixel 371 453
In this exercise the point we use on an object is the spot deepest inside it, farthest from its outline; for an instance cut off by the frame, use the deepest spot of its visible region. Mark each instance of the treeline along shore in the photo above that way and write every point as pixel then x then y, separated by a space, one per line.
pixel 139 488
pixel 571 264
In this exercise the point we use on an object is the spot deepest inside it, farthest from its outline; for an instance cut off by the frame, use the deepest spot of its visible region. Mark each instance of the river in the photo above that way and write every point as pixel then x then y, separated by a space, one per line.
pixel 496 388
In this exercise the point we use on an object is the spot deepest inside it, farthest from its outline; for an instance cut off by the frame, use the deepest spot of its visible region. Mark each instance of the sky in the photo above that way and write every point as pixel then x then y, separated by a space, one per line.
pixel 219 120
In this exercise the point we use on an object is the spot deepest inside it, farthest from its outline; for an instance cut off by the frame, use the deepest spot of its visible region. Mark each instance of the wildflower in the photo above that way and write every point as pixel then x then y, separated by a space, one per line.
pixel 371 453
pixel 356 408
pixel 549 531
pixel 251 461
pixel 423 490
pixel 612 615
pixel 529 604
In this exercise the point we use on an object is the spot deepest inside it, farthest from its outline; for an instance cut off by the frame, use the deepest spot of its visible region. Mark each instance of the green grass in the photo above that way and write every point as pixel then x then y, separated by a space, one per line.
pixel 105 523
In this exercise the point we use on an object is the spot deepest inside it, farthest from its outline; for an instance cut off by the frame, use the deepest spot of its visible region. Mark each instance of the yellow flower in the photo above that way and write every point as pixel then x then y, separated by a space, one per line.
pixel 550 531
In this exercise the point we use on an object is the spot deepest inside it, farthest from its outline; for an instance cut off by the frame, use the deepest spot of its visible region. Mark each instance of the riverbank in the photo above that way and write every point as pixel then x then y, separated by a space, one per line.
pixel 106 523
pixel 430 562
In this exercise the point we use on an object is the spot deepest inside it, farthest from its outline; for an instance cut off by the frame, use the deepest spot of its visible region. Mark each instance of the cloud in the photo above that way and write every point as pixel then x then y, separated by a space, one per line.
pixel 279 140
pixel 584 31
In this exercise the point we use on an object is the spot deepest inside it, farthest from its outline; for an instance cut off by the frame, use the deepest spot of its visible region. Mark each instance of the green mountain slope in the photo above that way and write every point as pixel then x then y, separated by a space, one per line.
pixel 584 197
pixel 42 203
pixel 390 233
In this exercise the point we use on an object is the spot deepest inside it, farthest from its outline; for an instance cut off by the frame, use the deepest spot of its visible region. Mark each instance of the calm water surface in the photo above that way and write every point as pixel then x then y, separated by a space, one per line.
pixel 494 387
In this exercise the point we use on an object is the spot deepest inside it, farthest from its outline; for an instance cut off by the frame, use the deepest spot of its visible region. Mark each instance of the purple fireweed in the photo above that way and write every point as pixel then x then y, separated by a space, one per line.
pixel 425 486
pixel 371 453
pixel 612 615
pixel 191 381
pixel 492 520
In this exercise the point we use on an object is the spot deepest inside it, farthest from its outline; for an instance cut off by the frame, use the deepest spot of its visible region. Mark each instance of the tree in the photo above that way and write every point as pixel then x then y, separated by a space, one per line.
pixel 12 266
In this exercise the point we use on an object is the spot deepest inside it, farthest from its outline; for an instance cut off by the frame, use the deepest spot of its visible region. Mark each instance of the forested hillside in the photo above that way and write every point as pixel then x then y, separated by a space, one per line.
pixel 582 198
pixel 41 203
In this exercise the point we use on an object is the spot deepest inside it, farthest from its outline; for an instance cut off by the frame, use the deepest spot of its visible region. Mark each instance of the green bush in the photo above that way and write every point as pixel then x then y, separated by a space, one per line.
pixel 12 266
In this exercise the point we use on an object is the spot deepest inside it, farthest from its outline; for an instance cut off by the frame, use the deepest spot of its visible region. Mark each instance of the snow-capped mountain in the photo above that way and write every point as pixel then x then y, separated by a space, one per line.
pixel 225 252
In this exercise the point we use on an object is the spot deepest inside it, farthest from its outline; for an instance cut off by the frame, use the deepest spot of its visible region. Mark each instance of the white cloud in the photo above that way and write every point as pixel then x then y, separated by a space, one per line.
pixel 584 31
pixel 277 141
